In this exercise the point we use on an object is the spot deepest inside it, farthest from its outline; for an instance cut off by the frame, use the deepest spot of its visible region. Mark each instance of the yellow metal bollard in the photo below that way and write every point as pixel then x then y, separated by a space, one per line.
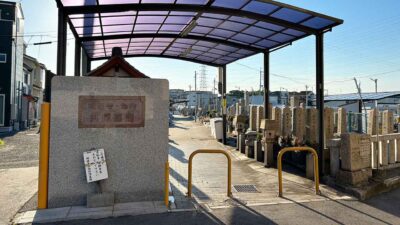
pixel 228 157
pixel 293 149
pixel 44 156
pixel 166 190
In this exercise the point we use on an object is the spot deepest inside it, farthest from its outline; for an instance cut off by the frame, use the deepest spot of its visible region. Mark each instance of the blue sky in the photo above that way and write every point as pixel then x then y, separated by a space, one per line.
pixel 367 45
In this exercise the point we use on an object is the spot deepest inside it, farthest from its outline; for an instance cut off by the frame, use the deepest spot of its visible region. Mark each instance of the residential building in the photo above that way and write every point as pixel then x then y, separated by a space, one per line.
pixel 177 95
pixel 11 66
pixel 201 99
pixel 33 98
pixel 352 102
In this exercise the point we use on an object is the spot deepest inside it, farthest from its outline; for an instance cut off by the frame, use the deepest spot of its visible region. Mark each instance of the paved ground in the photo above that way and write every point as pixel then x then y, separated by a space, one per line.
pixel 300 205
pixel 18 172
pixel 20 150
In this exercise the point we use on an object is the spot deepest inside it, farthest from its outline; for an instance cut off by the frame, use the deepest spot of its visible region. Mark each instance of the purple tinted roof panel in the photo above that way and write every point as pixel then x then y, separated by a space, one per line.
pixel 223 30
pixel 317 23
pixel 260 7
pixel 107 2
pixel 194 2
pixel 234 4
pixel 290 15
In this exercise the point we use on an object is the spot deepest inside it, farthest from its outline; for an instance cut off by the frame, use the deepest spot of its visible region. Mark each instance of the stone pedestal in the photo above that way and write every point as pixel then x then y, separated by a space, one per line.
pixel 258 151
pixel 241 143
pixel 334 153
pixel 96 200
pixel 398 150
pixel 249 151
pixel 286 121
pixel 341 121
pixel 355 178
pixel 310 166
pixel 269 139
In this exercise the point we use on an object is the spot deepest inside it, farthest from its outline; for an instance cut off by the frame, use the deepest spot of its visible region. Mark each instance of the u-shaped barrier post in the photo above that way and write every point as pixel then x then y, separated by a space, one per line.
pixel 228 157
pixel 293 149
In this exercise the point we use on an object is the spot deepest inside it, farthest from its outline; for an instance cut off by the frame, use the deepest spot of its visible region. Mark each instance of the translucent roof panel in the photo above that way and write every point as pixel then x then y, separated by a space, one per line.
pixel 215 32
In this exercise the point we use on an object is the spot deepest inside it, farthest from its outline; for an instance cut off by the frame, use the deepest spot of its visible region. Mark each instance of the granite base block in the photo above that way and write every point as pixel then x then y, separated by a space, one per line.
pixel 95 200
pixel 354 178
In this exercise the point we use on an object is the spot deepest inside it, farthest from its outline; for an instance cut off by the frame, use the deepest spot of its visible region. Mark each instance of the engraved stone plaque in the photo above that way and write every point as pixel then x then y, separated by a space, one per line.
pixel 111 111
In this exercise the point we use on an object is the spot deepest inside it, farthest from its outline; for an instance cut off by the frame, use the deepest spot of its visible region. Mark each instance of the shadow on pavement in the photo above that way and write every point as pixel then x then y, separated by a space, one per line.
pixel 189 218
pixel 313 210
pixel 183 181
pixel 177 154
pixel 388 202
pixel 183 118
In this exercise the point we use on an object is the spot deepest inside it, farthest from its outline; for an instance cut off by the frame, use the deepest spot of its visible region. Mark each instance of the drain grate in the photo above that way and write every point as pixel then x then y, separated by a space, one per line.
pixel 246 188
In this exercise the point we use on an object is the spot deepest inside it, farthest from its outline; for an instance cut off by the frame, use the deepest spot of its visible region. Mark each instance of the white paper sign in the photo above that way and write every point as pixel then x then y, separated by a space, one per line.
pixel 95 165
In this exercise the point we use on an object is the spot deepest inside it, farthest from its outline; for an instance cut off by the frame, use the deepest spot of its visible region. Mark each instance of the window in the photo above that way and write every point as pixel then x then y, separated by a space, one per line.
pixel 3 58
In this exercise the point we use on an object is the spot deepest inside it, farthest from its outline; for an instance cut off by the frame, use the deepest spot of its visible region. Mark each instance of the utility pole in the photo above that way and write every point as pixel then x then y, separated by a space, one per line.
pixel 376 90
pixel 358 85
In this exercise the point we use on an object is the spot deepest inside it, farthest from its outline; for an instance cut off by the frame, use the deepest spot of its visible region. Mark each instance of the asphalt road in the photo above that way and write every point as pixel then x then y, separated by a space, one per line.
pixel 380 210
pixel 20 150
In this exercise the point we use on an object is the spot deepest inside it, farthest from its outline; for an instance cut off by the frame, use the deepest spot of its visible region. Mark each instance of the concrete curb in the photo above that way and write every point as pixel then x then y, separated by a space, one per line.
pixel 81 212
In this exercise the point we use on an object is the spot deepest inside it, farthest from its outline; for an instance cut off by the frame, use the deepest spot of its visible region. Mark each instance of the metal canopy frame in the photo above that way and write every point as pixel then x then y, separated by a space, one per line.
pixel 291 31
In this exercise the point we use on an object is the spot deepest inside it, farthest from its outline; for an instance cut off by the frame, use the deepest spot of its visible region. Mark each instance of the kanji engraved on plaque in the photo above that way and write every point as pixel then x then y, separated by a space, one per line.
pixel 111 111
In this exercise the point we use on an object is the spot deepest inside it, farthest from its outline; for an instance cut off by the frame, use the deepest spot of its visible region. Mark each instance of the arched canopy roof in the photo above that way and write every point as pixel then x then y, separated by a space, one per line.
pixel 212 32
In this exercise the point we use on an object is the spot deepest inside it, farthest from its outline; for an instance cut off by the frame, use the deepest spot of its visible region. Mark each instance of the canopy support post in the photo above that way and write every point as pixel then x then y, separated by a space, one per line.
pixel 88 66
pixel 78 52
pixel 62 43
pixel 223 102
pixel 266 85
pixel 320 97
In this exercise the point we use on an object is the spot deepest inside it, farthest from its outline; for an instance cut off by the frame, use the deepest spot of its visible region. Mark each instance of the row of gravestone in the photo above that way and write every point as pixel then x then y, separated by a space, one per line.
pixel 299 122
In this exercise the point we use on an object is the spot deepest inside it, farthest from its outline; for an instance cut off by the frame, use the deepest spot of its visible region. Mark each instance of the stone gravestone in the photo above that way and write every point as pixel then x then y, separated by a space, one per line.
pixel 295 101
pixel 260 116
pixel 372 117
pixel 286 121
pixel 329 124
pixel 342 121
pixel 312 126
pixel 237 110
pixel 355 155
pixel 387 122
pixel 355 151
pixel 388 147
pixel 277 116
pixel 127 117
pixel 253 118
pixel 298 123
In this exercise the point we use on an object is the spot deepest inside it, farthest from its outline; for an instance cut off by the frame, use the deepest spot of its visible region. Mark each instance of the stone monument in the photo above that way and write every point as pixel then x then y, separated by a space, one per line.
pixel 127 117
